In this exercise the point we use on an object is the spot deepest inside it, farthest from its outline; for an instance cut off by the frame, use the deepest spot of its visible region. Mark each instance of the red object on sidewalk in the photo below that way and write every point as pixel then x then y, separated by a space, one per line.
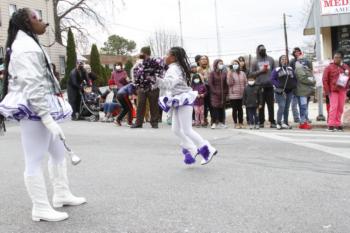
pixel 305 126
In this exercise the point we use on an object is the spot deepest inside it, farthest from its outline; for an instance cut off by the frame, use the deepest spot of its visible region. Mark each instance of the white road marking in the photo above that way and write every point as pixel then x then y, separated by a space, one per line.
pixel 341 152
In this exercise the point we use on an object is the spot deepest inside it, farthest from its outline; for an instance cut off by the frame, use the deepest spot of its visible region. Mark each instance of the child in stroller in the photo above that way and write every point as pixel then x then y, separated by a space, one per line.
pixel 90 104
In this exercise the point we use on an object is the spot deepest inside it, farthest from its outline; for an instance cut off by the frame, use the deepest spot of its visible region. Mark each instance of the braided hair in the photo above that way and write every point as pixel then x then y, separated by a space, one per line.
pixel 182 59
pixel 19 21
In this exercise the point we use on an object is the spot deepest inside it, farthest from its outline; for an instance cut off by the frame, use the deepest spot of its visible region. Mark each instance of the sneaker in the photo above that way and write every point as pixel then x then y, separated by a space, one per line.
pixel 286 126
pixel 340 128
pixel 222 126
pixel 273 126
pixel 251 127
pixel 213 126
pixel 297 121
pixel 331 129
pixel 257 127
pixel 278 126
pixel 262 126
pixel 135 126
pixel 117 122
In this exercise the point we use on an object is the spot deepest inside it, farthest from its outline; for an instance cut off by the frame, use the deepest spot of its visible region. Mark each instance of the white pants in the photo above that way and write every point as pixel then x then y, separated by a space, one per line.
pixel 182 128
pixel 36 142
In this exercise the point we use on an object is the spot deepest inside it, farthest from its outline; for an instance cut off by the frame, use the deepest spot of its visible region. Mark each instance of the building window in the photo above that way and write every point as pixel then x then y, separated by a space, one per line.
pixel 12 9
pixel 62 64
pixel 39 14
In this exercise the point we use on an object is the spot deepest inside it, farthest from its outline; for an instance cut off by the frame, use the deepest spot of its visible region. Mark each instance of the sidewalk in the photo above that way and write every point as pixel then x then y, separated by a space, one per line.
pixel 313 113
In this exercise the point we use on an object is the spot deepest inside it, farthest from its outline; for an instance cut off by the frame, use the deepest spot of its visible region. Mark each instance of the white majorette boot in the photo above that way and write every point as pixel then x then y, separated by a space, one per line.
pixel 42 209
pixel 207 152
pixel 61 192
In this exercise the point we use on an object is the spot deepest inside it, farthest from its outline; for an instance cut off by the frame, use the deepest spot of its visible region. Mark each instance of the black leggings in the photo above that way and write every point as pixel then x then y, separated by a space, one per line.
pixel 218 115
pixel 237 111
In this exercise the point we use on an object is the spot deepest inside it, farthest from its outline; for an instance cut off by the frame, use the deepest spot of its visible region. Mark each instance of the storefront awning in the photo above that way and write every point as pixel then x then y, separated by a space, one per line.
pixel 326 21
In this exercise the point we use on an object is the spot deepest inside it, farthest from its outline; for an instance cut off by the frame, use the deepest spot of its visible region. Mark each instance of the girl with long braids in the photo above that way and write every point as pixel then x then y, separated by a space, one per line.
pixel 177 96
pixel 32 96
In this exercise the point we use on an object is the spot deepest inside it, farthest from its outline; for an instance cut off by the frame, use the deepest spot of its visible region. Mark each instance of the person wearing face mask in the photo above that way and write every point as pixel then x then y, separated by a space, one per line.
pixel 261 69
pixel 119 75
pixel 198 85
pixel 33 97
pixel 305 88
pixel 335 84
pixel 204 70
pixel 110 104
pixel 285 83
pixel 236 81
pixel 218 92
pixel 145 75
pixel 252 100
pixel 74 86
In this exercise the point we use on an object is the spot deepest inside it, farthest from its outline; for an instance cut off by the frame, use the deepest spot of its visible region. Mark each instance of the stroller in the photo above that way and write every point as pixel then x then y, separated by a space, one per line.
pixel 90 104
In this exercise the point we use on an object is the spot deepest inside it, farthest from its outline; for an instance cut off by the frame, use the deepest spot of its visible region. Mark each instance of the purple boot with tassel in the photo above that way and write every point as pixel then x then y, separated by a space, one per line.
pixel 207 152
pixel 188 157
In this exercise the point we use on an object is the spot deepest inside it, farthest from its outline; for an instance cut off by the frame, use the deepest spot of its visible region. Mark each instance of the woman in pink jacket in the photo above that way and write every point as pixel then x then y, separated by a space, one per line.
pixel 236 81
pixel 335 85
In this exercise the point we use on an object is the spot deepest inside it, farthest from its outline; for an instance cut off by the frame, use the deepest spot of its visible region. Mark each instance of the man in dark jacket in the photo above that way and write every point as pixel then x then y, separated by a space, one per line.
pixel 75 81
pixel 261 69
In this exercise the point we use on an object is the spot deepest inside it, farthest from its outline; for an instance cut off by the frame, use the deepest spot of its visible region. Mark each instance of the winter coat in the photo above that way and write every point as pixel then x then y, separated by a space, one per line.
pixel 263 79
pixel 120 78
pixel 305 80
pixel 200 88
pixel 331 75
pixel 218 87
pixel 252 96
pixel 127 90
pixel 279 79
pixel 236 83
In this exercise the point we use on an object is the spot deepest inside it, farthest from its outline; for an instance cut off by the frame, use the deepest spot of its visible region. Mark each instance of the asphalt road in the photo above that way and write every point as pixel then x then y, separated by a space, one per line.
pixel 135 181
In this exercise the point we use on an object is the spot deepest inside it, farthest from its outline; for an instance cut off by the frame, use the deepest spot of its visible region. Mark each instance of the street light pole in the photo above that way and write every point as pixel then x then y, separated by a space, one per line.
pixel 217 30
pixel 317 15
pixel 180 16
pixel 285 35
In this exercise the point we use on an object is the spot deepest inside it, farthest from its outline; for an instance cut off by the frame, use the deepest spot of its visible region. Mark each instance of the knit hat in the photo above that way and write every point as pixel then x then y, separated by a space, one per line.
pixel 193 65
pixel 111 82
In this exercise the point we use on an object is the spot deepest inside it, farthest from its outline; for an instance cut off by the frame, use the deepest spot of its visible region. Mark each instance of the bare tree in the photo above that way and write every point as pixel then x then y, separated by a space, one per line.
pixel 161 41
pixel 75 14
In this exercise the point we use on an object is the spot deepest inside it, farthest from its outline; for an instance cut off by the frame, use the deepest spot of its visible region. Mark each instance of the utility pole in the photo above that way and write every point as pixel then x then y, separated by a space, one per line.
pixel 285 35
pixel 217 30
pixel 317 15
pixel 180 16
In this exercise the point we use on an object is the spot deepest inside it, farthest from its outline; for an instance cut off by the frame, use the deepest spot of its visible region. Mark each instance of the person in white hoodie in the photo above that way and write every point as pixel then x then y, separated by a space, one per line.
pixel 177 95
pixel 33 97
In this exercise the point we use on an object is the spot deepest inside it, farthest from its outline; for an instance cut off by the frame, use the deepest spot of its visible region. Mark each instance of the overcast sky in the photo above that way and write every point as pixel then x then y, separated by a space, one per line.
pixel 243 24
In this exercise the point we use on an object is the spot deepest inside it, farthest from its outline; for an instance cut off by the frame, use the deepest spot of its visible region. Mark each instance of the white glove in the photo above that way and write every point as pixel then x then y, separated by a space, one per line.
pixel 53 127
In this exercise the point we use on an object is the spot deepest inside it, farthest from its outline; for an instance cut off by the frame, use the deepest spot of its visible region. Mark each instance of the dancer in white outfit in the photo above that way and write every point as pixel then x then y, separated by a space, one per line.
pixel 32 96
pixel 177 95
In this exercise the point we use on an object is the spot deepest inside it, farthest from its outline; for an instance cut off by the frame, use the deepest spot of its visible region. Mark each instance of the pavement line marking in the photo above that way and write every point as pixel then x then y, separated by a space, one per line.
pixel 314 135
pixel 324 141
pixel 341 152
